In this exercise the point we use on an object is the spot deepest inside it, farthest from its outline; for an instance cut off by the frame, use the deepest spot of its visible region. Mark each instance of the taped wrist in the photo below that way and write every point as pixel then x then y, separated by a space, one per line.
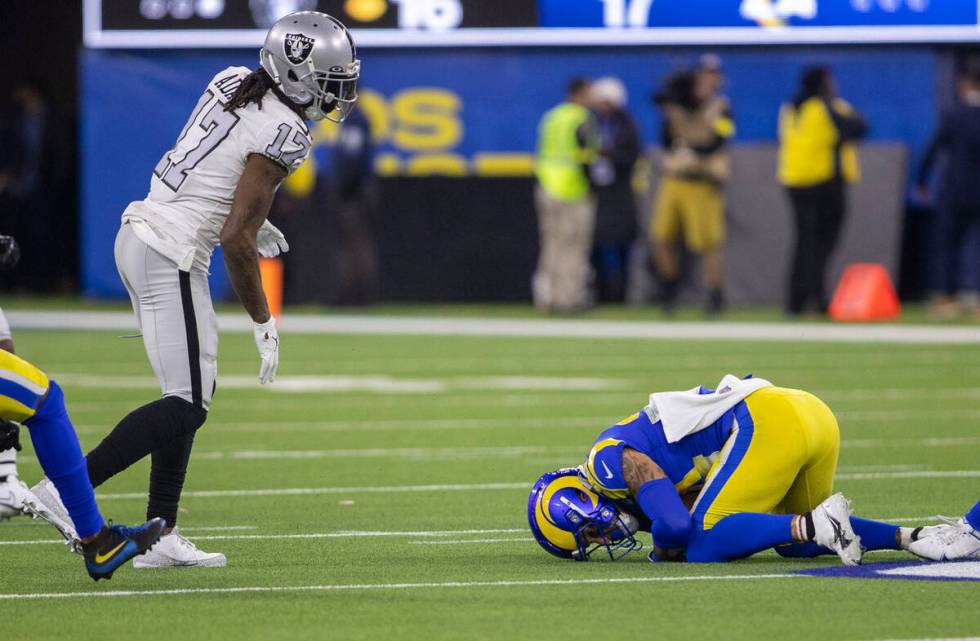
pixel 663 506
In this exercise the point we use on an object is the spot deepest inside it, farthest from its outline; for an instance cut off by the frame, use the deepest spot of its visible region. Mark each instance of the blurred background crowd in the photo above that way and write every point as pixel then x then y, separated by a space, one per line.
pixel 716 178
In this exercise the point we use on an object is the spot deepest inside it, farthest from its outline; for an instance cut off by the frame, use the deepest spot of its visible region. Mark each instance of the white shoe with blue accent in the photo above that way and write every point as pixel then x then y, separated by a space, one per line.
pixel 832 523
pixel 956 540
pixel 44 502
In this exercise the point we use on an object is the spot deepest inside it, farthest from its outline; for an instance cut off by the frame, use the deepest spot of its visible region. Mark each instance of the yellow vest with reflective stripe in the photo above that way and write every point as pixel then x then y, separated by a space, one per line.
pixel 808 146
pixel 560 157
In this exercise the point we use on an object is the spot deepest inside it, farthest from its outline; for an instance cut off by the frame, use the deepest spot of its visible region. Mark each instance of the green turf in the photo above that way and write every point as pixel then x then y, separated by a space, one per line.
pixel 888 397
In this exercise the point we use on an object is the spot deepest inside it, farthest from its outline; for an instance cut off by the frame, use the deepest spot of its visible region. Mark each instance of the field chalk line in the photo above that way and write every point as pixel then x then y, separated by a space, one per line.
pixel 436 537
pixel 392 586
pixel 550 328
pixel 466 487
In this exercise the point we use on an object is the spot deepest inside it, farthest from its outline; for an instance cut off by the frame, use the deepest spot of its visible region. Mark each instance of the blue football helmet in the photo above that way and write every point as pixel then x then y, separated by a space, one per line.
pixel 571 521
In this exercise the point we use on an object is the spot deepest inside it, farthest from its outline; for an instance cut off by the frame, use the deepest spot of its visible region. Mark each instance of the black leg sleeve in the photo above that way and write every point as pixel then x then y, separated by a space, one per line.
pixel 167 474
pixel 147 429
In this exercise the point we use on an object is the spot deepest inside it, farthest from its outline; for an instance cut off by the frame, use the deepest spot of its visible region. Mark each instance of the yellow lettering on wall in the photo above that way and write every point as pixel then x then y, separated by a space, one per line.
pixel 502 163
pixel 436 165
pixel 375 109
pixel 427 119
pixel 387 165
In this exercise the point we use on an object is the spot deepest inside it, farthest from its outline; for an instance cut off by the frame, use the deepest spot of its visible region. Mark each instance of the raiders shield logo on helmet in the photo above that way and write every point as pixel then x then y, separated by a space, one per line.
pixel 297 47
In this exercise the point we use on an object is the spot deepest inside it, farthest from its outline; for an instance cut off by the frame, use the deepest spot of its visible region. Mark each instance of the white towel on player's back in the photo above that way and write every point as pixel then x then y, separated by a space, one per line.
pixel 687 412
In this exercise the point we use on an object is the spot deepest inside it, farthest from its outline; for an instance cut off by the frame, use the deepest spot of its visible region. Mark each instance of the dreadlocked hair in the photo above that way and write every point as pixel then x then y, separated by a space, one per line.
pixel 254 86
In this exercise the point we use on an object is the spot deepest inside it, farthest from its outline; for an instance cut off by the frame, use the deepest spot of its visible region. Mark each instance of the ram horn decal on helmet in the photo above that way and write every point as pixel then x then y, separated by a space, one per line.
pixel 312 59
pixel 571 521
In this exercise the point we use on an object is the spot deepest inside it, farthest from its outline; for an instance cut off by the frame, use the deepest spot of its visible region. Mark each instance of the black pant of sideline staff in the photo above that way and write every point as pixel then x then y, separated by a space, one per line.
pixel 819 214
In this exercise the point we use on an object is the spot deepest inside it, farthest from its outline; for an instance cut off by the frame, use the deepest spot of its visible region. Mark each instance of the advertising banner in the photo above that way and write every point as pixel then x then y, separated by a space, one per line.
pixel 434 23
pixel 466 114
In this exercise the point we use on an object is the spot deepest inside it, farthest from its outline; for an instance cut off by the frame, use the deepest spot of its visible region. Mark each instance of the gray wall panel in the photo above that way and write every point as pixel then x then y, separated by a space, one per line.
pixel 760 233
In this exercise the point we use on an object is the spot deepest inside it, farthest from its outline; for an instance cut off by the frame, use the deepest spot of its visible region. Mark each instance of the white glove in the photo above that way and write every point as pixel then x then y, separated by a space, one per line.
pixel 267 340
pixel 270 241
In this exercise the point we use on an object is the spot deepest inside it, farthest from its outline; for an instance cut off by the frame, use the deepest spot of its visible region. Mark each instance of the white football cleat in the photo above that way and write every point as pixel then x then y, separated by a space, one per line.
pixel 957 540
pixel 12 493
pixel 45 503
pixel 175 551
pixel 832 523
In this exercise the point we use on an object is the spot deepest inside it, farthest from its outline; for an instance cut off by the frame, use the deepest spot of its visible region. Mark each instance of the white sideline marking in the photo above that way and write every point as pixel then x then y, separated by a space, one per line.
pixel 463 541
pixel 395 586
pixel 588 329
pixel 467 487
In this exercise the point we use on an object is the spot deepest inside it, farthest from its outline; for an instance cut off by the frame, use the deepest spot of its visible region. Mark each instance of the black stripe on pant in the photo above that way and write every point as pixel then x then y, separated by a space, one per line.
pixel 193 344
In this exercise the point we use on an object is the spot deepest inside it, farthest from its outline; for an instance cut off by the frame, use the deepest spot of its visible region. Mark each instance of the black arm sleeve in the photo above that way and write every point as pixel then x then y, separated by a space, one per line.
pixel 850 126
pixel 717 142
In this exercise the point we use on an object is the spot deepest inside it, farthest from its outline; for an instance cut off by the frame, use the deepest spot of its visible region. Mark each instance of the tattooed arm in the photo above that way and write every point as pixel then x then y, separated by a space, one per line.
pixel 638 468
pixel 656 496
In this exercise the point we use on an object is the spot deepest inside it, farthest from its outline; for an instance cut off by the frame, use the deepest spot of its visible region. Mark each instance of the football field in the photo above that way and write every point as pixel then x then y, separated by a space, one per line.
pixel 378 491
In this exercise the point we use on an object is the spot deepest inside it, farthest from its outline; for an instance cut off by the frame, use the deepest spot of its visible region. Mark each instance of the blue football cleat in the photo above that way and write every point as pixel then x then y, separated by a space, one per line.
pixel 117 544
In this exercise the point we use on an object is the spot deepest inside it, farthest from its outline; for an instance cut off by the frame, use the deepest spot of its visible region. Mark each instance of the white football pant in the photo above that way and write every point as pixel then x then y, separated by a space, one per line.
pixel 175 314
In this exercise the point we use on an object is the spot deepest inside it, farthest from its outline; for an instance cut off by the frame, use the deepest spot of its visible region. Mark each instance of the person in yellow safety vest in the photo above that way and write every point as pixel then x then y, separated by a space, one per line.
pixel 565 205
pixel 817 159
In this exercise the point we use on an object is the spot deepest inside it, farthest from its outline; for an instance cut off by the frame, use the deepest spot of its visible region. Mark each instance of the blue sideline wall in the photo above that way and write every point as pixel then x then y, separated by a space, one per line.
pixel 455 112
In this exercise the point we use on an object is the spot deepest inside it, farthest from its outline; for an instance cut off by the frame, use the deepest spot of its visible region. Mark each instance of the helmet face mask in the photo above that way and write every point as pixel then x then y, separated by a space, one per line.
pixel 334 94
pixel 312 59
pixel 571 521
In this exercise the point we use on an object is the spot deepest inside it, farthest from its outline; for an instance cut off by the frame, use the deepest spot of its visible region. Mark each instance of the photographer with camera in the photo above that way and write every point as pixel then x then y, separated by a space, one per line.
pixel 690 203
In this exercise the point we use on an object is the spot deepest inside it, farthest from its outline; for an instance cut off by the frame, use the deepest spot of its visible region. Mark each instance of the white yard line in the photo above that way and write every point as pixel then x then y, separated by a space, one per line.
pixel 343 534
pixel 465 541
pixel 588 329
pixel 219 528
pixel 381 425
pixel 935 639
pixel 912 474
pixel 442 453
pixel 370 383
pixel 301 491
pixel 352 587
pixel 516 451
pixel 469 487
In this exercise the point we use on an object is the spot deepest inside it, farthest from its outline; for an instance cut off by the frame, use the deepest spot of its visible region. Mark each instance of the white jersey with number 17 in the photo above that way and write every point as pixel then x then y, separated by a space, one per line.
pixel 193 185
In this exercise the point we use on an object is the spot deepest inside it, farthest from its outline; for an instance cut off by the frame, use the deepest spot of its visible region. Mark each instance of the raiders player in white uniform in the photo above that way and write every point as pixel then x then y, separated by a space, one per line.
pixel 246 134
